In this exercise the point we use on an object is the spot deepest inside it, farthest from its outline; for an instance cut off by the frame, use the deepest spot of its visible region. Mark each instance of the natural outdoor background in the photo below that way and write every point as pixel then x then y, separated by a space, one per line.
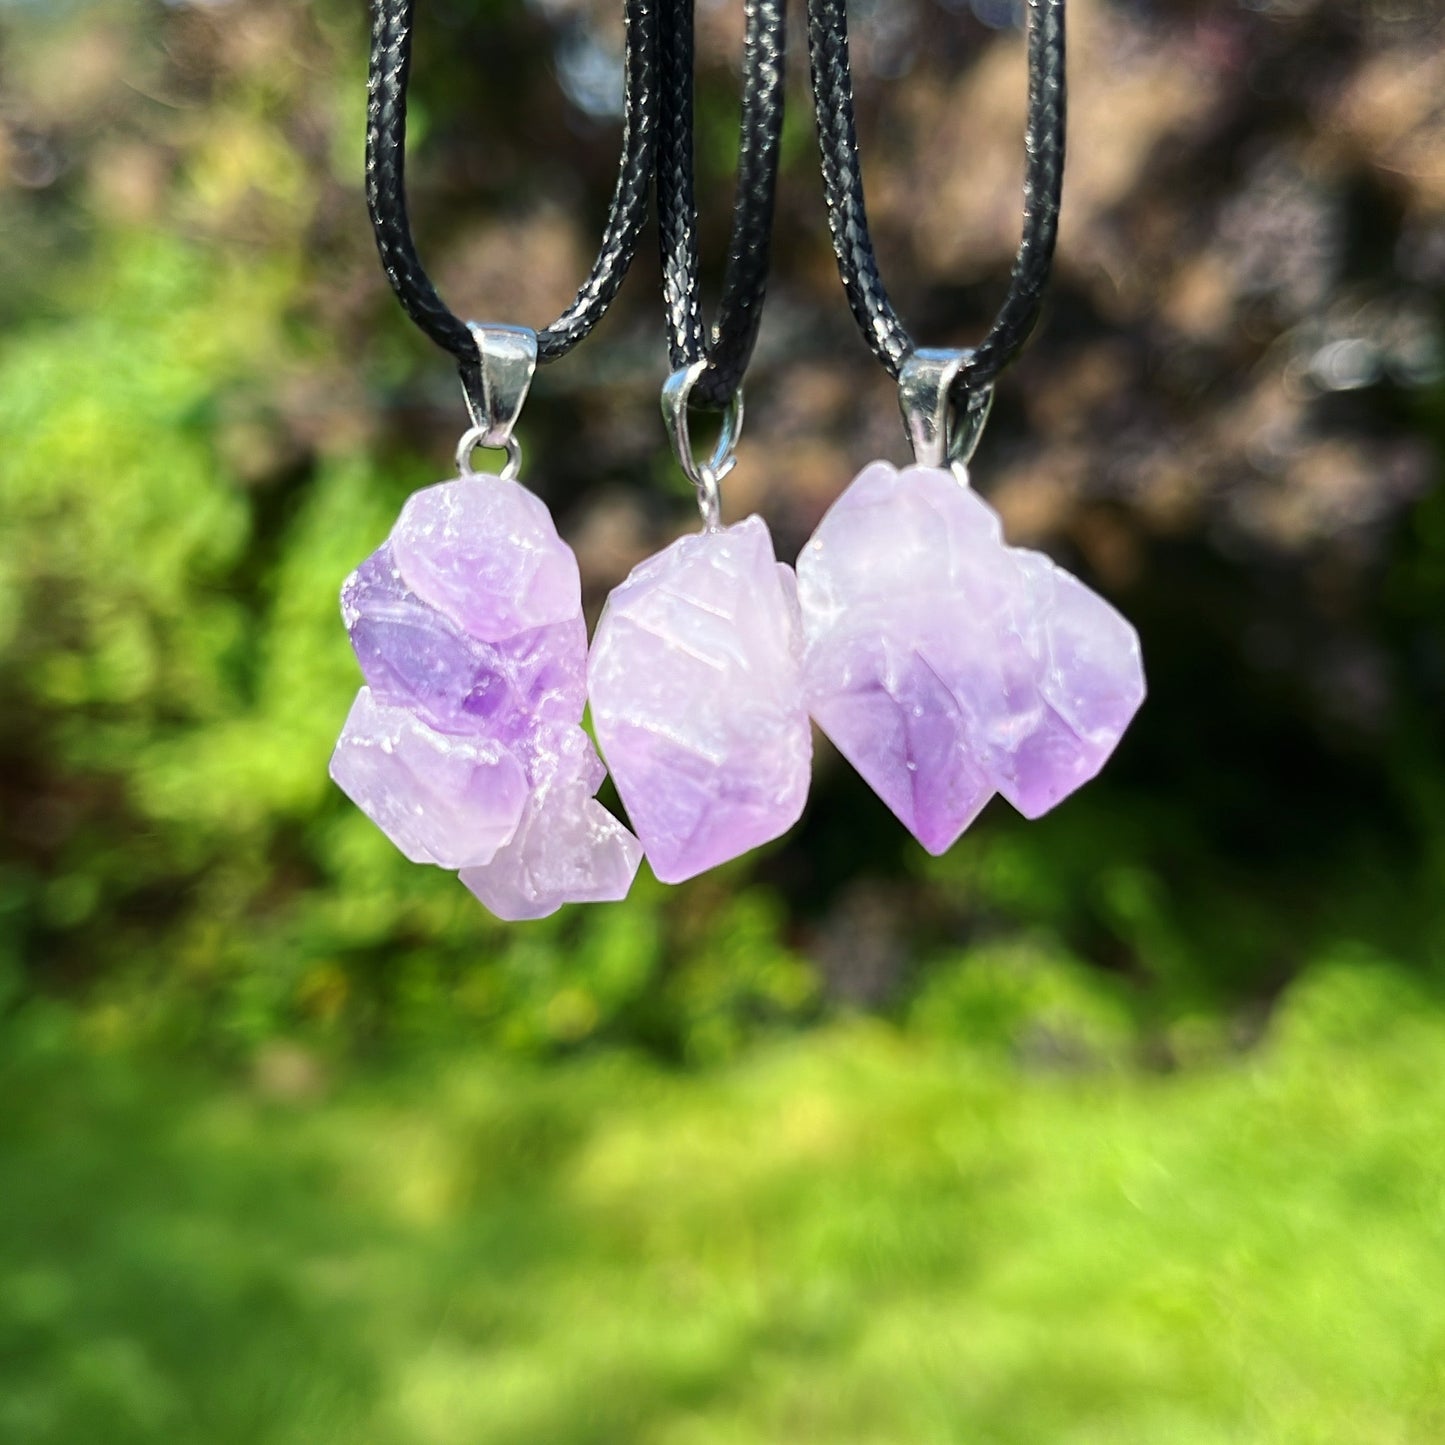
pixel 1124 1126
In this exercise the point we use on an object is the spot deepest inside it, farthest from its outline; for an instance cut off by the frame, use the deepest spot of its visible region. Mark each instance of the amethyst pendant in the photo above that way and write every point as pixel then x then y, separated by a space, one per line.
pixel 465 746
pixel 698 702
pixel 947 666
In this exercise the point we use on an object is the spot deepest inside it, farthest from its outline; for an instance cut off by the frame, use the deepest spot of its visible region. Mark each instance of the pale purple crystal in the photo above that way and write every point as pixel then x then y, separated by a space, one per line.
pixel 697 699
pixel 584 856
pixel 945 665
pixel 488 556
pixel 466 746
pixel 441 798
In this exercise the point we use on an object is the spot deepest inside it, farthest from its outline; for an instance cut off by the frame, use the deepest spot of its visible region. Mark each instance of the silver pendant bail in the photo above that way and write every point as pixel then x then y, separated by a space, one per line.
pixel 940 436
pixel 704 476
pixel 507 357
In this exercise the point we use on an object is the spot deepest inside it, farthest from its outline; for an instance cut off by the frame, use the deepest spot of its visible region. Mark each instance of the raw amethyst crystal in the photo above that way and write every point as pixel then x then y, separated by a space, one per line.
pixel 947 666
pixel 697 699
pixel 466 747
pixel 441 798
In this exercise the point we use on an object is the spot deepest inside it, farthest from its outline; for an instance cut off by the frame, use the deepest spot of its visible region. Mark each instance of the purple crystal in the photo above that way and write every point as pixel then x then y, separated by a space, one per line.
pixel 584 856
pixel 697 699
pixel 416 656
pixel 946 666
pixel 466 746
pixel 443 799
pixel 1090 682
pixel 485 552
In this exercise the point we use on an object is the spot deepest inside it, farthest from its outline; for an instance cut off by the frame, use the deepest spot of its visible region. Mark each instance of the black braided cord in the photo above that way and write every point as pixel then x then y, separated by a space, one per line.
pixel 728 345
pixel 848 218
pixel 391 38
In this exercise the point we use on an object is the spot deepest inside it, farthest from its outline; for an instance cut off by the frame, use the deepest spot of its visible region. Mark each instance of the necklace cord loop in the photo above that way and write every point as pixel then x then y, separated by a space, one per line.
pixel 879 322
pixel 388 77
pixel 726 347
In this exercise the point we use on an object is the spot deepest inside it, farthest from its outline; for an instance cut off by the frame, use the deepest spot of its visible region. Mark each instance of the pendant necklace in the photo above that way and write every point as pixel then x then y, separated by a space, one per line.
pixel 465 745
pixel 695 675
pixel 943 664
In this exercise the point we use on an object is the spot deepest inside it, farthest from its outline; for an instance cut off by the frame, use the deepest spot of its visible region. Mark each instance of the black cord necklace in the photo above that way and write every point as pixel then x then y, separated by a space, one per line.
pixel 390 68
pixel 466 745
pixel 945 664
pixel 883 330
pixel 721 354
pixel 709 364
pixel 693 675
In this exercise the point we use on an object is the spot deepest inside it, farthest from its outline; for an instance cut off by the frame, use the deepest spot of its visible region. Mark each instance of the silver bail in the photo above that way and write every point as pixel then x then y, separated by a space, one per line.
pixel 940 437
pixel 507 357
pixel 704 476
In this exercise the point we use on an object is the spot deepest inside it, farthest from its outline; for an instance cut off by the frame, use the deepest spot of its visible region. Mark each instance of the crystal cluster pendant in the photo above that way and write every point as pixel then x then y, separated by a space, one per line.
pixel 465 746
pixel 947 666
pixel 697 699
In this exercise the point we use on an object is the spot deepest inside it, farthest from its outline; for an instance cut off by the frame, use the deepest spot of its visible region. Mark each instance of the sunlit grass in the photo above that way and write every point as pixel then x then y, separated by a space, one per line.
pixel 856 1236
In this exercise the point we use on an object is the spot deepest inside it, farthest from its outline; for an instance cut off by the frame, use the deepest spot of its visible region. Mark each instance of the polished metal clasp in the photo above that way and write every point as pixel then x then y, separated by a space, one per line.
pixel 707 475
pixel 507 357
pixel 940 435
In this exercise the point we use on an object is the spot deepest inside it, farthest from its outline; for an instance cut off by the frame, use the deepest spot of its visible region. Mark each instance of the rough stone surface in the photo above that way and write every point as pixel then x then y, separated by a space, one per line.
pixel 466 746
pixel 947 666
pixel 486 553
pixel 697 699
pixel 441 798
pixel 457 681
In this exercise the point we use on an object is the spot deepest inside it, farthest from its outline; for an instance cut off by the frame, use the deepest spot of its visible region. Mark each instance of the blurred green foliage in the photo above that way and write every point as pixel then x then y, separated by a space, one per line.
pixel 859 1235
pixel 183 670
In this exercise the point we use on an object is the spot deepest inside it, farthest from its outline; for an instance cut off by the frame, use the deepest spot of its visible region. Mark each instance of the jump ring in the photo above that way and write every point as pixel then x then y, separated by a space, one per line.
pixel 480 436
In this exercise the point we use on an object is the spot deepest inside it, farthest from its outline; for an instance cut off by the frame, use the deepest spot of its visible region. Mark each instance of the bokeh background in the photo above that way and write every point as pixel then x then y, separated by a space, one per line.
pixel 1127 1125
